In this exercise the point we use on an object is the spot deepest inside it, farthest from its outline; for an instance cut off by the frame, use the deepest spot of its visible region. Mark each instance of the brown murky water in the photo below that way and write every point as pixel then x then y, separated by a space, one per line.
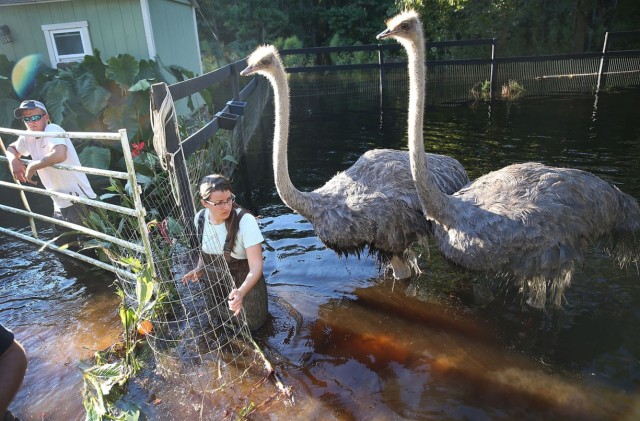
pixel 445 345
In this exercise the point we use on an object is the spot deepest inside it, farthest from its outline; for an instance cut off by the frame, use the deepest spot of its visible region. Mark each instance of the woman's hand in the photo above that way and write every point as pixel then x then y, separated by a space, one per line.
pixel 235 301
pixel 192 276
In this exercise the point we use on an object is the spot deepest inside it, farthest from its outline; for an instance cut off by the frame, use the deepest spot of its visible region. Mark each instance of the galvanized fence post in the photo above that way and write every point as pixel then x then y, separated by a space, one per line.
pixel 137 201
pixel 604 64
pixel 492 76
pixel 381 73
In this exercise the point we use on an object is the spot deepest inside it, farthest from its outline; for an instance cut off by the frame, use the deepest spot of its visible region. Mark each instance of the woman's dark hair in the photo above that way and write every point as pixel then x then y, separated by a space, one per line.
pixel 213 182
pixel 217 182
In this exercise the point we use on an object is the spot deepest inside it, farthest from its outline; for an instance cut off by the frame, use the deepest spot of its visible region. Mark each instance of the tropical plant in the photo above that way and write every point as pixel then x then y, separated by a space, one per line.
pixel 105 381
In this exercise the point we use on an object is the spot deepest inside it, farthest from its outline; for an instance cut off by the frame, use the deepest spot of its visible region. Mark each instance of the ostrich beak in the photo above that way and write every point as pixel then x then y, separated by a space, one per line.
pixel 247 71
pixel 384 34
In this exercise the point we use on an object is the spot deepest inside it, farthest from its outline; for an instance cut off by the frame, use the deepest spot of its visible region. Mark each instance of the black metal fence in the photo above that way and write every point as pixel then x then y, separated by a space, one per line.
pixel 379 68
pixel 451 79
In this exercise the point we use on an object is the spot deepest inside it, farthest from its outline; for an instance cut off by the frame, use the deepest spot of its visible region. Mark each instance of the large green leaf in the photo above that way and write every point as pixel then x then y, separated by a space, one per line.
pixel 123 69
pixel 144 288
pixel 117 118
pixel 95 157
pixel 107 375
pixel 94 65
pixel 6 87
pixel 7 105
pixel 141 85
pixel 149 70
pixel 58 91
pixel 92 96
pixel 5 66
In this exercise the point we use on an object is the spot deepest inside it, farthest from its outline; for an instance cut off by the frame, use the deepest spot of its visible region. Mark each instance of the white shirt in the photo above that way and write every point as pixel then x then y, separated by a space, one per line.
pixel 62 181
pixel 214 235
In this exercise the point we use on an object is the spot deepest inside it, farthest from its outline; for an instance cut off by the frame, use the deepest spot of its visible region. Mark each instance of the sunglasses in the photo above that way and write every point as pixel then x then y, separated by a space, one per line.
pixel 231 199
pixel 33 118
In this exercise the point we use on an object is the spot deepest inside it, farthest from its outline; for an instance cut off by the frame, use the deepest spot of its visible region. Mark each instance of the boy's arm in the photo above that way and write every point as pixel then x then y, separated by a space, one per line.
pixel 57 155
pixel 18 168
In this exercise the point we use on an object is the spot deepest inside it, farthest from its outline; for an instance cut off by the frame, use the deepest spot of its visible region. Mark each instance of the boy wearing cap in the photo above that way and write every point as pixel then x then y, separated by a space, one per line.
pixel 45 152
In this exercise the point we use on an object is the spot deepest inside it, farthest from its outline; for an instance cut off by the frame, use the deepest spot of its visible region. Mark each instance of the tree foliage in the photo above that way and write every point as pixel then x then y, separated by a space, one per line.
pixel 523 27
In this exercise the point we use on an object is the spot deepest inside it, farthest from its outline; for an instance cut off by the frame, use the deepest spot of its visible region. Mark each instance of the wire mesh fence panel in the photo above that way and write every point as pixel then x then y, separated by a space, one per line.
pixel 193 334
pixel 623 72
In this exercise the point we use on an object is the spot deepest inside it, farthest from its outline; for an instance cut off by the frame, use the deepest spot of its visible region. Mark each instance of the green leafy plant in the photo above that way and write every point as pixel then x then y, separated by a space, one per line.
pixel 481 91
pixel 105 381
pixel 512 90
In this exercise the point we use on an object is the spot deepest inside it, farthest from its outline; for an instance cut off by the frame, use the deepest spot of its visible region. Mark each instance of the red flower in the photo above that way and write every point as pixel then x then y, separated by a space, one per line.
pixel 136 149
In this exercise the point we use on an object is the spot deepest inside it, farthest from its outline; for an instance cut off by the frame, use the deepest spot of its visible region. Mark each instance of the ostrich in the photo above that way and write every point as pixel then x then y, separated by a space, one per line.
pixel 530 222
pixel 372 204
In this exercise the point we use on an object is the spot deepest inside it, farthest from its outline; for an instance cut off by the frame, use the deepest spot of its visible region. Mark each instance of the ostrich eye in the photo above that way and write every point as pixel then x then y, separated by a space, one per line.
pixel 404 26
pixel 264 61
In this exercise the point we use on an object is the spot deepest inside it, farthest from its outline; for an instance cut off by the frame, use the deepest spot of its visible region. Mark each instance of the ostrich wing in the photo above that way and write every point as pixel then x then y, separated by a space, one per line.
pixel 374 202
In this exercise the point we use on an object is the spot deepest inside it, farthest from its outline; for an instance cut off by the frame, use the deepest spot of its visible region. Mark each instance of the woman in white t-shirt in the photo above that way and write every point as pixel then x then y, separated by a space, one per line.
pixel 227 229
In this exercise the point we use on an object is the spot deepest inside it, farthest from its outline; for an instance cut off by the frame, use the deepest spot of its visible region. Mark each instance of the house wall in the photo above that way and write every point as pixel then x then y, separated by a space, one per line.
pixel 115 26
pixel 175 33
pixel 176 41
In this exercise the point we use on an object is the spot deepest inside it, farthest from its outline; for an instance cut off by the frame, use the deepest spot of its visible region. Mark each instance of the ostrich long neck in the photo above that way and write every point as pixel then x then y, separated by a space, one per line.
pixel 291 196
pixel 434 202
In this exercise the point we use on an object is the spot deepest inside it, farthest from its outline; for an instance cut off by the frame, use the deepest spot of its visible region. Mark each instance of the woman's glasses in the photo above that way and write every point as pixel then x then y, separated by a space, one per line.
pixel 231 199
pixel 33 118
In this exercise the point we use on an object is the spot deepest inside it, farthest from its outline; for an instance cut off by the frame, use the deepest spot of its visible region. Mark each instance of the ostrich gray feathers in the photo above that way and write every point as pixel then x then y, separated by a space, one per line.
pixel 373 204
pixel 529 222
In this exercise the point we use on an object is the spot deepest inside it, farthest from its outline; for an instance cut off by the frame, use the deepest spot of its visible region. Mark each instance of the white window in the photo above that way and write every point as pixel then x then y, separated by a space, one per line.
pixel 67 42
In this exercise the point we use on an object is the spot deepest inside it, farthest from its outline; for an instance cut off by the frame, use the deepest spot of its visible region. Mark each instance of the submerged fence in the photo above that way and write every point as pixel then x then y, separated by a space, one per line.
pixel 450 79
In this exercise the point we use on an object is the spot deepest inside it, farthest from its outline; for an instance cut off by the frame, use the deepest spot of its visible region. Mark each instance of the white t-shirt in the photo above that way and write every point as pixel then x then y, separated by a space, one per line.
pixel 63 181
pixel 214 235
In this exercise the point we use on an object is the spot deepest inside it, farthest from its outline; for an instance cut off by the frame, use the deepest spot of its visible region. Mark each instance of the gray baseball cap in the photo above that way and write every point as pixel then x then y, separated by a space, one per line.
pixel 29 105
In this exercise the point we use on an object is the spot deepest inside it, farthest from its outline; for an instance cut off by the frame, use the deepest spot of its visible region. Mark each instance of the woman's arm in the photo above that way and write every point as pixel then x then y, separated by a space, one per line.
pixel 194 274
pixel 254 258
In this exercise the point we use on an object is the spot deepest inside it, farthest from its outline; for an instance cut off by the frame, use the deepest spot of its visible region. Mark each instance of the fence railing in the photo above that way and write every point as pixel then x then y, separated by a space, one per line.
pixel 225 118
pixel 446 75
pixel 451 78
pixel 141 247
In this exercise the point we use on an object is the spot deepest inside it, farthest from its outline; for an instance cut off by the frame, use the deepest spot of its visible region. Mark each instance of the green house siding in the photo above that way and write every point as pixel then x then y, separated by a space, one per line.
pixel 115 26
pixel 175 34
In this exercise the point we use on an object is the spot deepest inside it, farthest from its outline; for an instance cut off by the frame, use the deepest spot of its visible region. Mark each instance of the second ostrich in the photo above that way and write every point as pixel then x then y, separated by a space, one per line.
pixel 530 222
pixel 372 204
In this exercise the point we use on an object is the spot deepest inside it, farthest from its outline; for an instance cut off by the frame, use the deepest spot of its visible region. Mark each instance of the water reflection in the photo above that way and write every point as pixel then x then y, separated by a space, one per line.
pixel 429 354
pixel 62 312
pixel 352 343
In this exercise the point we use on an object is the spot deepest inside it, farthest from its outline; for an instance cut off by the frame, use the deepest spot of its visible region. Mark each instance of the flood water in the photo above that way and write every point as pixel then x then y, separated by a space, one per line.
pixel 443 346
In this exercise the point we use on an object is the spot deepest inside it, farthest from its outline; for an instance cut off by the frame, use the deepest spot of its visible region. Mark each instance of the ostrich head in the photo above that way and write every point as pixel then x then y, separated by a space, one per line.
pixel 405 27
pixel 262 61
